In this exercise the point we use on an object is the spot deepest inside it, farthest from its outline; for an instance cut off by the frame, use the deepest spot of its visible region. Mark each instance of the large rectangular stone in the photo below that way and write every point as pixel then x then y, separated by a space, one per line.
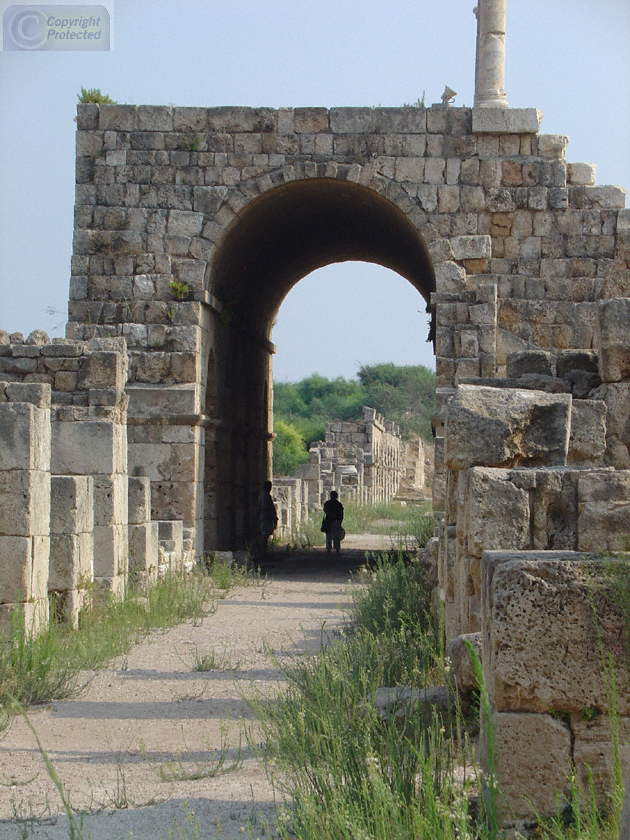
pixel 16 569
pixel 587 441
pixel 604 509
pixel 163 401
pixel 111 549
pixel 506 120
pixel 532 763
pixel 24 503
pixel 613 339
pixel 24 437
pixel 139 510
pixel 495 427
pixel 71 504
pixel 71 561
pixel 143 550
pixel 110 500
pixel 542 645
pixel 88 447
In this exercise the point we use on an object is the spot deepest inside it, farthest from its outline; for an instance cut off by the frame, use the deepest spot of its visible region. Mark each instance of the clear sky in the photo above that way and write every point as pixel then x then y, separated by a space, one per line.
pixel 570 58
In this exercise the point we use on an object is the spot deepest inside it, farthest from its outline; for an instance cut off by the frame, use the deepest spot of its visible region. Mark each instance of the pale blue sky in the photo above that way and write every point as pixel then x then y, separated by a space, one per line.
pixel 571 58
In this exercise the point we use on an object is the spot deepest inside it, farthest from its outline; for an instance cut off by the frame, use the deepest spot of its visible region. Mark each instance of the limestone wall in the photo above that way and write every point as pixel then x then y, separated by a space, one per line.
pixel 536 488
pixel 363 461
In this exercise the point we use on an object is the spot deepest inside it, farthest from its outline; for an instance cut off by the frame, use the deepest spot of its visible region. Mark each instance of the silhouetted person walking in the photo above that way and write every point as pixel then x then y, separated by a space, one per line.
pixel 333 509
pixel 267 516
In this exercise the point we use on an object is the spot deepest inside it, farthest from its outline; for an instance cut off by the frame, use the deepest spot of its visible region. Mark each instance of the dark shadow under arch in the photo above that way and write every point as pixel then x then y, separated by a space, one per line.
pixel 276 240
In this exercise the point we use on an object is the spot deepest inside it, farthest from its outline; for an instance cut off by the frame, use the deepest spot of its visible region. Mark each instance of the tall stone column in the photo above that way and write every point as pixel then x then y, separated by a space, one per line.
pixel 490 58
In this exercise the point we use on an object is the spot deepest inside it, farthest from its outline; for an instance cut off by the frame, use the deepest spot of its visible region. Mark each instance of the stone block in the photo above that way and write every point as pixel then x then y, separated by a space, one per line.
pixel 102 369
pixel 450 278
pixel 570 360
pixel 71 504
pixel 16 569
pixel 471 247
pixel 163 401
pixel 587 441
pixel 533 763
pixel 88 447
pixel 540 640
pixel 613 339
pixel 34 614
pixel 143 550
pixel 497 513
pixel 592 750
pixel 506 428
pixel 171 530
pixel 139 509
pixel 24 437
pixel 110 500
pixel 530 361
pixel 111 548
pixel 460 663
pixel 71 561
pixel 616 395
pixel 582 174
pixel 506 120
pixel 616 281
pixel 24 503
pixel 38 394
pixel 603 509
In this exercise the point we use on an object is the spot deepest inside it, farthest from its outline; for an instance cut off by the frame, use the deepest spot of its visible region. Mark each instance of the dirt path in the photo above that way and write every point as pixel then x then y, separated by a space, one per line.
pixel 151 707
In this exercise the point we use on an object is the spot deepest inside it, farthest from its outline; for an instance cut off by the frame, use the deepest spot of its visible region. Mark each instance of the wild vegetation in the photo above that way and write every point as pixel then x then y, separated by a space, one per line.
pixel 404 394
pixel 56 663
pixel 348 774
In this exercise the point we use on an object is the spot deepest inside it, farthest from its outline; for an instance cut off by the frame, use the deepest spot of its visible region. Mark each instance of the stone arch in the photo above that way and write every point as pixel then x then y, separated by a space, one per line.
pixel 277 239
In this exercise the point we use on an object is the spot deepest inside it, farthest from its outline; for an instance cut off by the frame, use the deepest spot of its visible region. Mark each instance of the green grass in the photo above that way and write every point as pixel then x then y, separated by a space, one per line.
pixel 347 775
pixel 409 525
pixel 56 663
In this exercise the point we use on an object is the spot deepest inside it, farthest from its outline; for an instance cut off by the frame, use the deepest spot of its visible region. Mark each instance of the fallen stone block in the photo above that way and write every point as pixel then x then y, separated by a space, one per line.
pixel 493 427
pixel 461 668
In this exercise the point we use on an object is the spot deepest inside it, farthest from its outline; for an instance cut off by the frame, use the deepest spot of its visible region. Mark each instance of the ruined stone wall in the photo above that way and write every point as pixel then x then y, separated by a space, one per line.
pixel 511 243
pixel 363 461
pixel 537 487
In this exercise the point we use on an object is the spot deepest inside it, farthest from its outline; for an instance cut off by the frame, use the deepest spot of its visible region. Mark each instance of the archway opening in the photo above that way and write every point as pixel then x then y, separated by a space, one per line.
pixel 276 240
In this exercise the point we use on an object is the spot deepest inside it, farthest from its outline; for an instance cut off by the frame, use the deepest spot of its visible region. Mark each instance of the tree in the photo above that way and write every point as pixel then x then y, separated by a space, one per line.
pixel 289 448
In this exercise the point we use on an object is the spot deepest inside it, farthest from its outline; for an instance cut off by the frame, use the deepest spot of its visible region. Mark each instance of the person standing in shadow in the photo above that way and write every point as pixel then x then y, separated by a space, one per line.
pixel 267 516
pixel 333 510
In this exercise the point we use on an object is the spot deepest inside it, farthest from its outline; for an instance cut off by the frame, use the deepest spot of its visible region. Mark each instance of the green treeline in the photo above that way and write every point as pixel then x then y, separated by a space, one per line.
pixel 404 394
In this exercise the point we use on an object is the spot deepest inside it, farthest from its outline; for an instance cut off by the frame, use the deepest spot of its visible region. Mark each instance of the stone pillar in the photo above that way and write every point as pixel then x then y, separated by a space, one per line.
pixel 24 502
pixel 71 543
pixel 490 57
pixel 143 534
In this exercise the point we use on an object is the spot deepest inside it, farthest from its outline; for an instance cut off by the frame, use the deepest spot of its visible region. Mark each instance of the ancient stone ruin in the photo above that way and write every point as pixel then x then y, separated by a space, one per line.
pixel 143 438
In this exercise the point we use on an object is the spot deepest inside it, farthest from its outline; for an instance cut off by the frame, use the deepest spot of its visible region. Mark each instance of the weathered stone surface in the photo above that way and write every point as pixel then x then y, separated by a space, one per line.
pixel 71 561
pixel 24 437
pixel 587 441
pixel 506 120
pixel 616 395
pixel 461 669
pixel 531 361
pixel 143 550
pixel 541 645
pixel 139 511
pixel 506 428
pixel 497 514
pixel 399 703
pixel 613 339
pixel 604 509
pixel 616 280
pixel 582 173
pixel 593 750
pixel 88 447
pixel 571 360
pixel 532 764
pixel 71 504
pixel 24 502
